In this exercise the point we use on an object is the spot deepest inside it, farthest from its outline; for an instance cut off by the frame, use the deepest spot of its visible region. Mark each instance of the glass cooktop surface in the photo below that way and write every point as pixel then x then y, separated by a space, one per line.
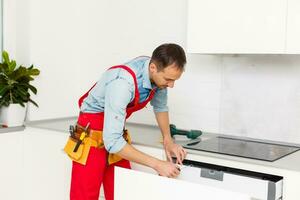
pixel 243 148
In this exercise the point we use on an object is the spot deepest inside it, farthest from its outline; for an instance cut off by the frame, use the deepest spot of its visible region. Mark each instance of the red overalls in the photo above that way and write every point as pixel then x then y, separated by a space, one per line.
pixel 87 179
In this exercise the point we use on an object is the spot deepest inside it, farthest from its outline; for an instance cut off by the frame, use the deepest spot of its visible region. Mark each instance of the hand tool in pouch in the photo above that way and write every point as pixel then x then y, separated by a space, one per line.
pixel 72 131
pixel 82 136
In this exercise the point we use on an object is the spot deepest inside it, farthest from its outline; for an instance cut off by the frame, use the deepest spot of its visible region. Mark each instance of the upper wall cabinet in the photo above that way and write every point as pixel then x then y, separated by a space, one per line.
pixel 293 27
pixel 243 26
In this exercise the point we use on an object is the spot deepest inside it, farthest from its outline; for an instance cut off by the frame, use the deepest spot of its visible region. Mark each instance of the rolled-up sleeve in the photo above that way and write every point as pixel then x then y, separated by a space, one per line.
pixel 160 101
pixel 118 94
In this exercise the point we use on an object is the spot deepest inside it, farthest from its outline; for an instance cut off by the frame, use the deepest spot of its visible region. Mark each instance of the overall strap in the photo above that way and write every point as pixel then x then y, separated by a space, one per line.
pixel 136 94
pixel 85 95
pixel 152 94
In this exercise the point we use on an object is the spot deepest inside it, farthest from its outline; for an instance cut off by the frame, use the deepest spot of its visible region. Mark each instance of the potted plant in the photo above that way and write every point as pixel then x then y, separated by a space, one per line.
pixel 15 91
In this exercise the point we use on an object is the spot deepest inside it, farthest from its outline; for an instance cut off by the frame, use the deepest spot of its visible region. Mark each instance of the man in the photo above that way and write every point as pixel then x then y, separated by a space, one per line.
pixel 121 91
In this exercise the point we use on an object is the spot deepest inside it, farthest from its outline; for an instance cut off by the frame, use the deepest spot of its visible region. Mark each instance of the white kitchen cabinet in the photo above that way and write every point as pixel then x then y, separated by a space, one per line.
pixel 235 26
pixel 11 174
pixel 47 169
pixel 34 166
pixel 293 27
pixel 141 185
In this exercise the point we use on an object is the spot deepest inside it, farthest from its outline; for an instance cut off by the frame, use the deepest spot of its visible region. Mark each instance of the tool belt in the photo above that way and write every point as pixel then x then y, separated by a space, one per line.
pixel 95 135
pixel 79 144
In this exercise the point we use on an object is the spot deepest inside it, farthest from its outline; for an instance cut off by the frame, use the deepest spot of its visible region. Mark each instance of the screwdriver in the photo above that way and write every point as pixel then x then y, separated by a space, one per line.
pixel 82 136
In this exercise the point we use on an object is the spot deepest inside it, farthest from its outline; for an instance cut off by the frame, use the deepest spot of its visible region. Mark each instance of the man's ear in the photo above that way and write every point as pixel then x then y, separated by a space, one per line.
pixel 152 68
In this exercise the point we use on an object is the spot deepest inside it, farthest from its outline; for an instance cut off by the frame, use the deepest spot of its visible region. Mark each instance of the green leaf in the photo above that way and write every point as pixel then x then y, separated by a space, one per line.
pixel 32 88
pixel 23 91
pixel 19 73
pixel 5 95
pixel 33 102
pixel 4 69
pixel 3 90
pixel 5 57
pixel 33 72
pixel 12 65
pixel 21 95
pixel 18 101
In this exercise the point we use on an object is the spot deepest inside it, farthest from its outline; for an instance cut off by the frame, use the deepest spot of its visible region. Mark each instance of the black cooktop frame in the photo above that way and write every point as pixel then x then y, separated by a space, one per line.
pixel 258 150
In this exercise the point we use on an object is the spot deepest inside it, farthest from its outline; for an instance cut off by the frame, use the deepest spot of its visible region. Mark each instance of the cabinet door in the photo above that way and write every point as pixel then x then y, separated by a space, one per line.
pixel 11 167
pixel 134 185
pixel 293 27
pixel 235 26
pixel 47 169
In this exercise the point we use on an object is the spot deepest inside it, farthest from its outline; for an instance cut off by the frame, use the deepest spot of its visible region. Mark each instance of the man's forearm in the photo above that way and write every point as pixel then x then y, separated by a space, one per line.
pixel 130 153
pixel 163 168
pixel 162 119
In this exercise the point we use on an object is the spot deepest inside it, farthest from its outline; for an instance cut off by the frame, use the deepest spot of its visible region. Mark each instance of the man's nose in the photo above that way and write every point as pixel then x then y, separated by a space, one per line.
pixel 171 84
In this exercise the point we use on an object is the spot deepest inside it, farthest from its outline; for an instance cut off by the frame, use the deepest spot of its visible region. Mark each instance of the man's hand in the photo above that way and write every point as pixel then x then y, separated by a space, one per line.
pixel 167 169
pixel 173 149
pixel 163 168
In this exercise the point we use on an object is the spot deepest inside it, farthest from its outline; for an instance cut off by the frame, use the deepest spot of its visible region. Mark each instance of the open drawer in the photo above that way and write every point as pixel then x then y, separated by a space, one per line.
pixel 136 185
pixel 256 185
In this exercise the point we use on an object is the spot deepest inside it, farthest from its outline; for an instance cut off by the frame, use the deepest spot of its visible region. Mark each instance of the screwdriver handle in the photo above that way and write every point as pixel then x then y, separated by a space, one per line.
pixel 77 146
pixel 82 136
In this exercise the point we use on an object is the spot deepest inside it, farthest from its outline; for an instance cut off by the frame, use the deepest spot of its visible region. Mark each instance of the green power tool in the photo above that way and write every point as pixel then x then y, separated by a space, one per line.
pixel 192 134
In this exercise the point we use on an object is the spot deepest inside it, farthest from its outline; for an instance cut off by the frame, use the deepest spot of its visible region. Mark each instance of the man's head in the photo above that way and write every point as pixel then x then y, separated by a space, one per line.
pixel 166 65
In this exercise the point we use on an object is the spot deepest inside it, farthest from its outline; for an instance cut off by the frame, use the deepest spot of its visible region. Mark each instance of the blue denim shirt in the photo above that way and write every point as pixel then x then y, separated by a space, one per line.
pixel 114 91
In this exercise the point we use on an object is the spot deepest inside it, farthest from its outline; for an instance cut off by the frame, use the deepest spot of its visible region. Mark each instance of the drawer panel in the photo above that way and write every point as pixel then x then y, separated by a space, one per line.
pixel 256 185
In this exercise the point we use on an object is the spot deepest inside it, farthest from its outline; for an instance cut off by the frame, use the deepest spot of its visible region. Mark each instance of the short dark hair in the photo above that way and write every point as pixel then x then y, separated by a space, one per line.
pixel 167 54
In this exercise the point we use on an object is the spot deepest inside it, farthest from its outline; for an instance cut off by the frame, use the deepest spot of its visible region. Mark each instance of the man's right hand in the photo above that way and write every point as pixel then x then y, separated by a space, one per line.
pixel 163 168
pixel 167 169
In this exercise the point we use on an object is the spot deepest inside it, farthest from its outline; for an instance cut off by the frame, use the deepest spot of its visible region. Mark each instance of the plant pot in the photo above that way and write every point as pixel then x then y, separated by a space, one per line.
pixel 13 115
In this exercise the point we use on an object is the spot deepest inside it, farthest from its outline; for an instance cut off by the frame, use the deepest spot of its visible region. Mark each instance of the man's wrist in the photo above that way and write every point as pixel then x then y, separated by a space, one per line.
pixel 167 140
pixel 154 164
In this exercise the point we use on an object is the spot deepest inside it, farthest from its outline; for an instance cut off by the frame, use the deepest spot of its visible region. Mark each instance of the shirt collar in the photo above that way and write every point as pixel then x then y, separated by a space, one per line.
pixel 146 79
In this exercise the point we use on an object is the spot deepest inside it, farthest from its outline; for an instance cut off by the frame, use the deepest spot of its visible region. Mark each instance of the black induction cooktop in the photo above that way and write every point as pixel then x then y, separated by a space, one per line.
pixel 243 148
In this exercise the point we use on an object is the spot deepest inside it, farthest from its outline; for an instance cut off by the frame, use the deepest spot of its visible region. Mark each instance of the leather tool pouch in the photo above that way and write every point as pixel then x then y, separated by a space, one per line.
pixel 82 152
pixel 81 155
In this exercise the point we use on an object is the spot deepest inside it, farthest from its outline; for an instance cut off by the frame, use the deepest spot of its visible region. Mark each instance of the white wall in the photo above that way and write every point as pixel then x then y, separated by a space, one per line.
pixel 261 96
pixel 9 26
pixel 74 41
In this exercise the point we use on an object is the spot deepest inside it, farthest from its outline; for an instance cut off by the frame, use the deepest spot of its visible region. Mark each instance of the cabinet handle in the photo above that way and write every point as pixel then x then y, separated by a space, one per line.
pixel 212 174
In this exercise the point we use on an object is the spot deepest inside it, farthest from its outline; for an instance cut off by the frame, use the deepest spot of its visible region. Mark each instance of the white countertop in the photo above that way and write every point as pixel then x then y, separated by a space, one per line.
pixel 148 135
pixel 11 129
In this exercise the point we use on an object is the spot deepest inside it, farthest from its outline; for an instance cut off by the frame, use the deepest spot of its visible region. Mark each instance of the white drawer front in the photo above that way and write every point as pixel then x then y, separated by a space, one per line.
pixel 255 187
pixel 135 185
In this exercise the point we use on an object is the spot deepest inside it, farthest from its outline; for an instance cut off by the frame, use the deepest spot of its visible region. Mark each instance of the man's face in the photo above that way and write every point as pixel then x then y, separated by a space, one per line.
pixel 166 77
